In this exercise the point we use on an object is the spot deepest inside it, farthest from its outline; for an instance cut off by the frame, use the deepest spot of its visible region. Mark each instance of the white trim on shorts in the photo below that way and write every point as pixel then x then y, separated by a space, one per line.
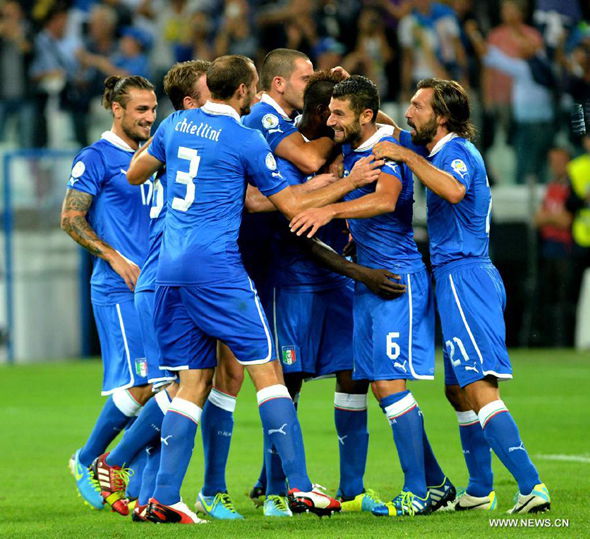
pixel 504 376
pixel 266 331
pixel 127 353
pixel 410 336
pixel 465 320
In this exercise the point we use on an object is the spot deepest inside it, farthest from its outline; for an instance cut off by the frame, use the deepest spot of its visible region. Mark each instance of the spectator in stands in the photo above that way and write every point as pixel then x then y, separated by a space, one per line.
pixel 553 221
pixel 431 45
pixel 555 19
pixel 372 51
pixel 16 46
pixel 496 84
pixel 578 204
pixel 53 71
pixel 235 34
pixel 532 101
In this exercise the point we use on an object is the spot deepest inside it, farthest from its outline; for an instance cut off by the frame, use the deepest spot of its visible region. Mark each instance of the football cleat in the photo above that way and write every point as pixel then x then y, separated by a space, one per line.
pixel 113 481
pixel 538 501
pixel 177 513
pixel 405 504
pixel 88 487
pixel 276 506
pixel 257 495
pixel 467 502
pixel 443 495
pixel 138 514
pixel 219 506
pixel 364 502
pixel 314 501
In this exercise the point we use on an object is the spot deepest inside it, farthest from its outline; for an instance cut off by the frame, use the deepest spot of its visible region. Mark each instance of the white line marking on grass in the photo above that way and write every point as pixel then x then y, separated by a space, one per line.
pixel 567 458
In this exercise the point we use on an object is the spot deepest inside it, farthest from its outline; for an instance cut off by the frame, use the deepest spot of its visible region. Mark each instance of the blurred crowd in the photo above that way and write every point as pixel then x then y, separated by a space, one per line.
pixel 526 64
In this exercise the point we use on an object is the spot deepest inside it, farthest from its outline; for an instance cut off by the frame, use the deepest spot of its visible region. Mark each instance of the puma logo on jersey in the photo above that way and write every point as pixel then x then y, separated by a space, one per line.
pixel 280 430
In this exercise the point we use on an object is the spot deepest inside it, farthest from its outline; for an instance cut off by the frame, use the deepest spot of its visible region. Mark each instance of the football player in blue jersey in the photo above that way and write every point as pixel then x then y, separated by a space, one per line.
pixel 312 319
pixel 110 218
pixel 393 341
pixel 469 291
pixel 186 86
pixel 203 292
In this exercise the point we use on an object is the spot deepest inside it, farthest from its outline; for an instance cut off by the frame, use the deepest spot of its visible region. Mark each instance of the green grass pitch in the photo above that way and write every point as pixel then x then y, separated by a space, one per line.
pixel 47 411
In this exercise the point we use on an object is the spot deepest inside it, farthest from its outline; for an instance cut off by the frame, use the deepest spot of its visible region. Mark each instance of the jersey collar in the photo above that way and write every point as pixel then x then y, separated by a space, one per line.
pixel 117 141
pixel 438 146
pixel 220 109
pixel 382 131
pixel 265 98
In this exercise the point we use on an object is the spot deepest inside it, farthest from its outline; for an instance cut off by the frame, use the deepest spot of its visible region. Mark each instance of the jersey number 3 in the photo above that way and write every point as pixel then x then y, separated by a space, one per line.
pixel 186 178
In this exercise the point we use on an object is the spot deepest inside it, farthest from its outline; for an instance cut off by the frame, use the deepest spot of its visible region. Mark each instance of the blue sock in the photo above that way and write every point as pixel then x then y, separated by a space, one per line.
pixel 137 466
pixel 350 417
pixel 217 425
pixel 402 411
pixel 478 456
pixel 276 483
pixel 119 408
pixel 144 431
pixel 502 434
pixel 280 422
pixel 178 439
pixel 150 471
pixel 433 473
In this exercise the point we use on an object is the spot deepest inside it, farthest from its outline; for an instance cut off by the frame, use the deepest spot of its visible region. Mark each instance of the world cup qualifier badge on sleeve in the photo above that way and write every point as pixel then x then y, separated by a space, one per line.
pixel 288 355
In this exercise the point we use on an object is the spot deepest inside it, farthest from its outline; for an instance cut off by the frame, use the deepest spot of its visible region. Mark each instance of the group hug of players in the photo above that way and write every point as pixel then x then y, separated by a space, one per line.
pixel 185 284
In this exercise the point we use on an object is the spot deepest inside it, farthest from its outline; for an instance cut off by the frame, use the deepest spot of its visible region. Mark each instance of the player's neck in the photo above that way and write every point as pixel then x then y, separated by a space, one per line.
pixel 367 131
pixel 288 109
pixel 440 134
pixel 118 130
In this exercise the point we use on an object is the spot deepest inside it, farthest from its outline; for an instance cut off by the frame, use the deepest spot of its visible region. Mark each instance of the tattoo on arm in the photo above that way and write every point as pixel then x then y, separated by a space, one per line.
pixel 73 221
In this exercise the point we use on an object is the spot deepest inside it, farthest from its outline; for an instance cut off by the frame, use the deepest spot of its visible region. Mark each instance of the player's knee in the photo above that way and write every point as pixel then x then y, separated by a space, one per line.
pixel 141 393
pixel 293 383
pixel 345 384
pixel 454 395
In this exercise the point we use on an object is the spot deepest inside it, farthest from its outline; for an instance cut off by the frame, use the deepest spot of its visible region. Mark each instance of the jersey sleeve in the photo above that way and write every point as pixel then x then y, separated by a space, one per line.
pixel 275 128
pixel 456 161
pixel 261 167
pixel 88 172
pixel 157 147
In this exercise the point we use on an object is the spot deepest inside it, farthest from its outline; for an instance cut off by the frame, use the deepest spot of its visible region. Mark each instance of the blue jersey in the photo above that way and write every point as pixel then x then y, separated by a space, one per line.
pixel 209 156
pixel 460 230
pixel 147 277
pixel 271 120
pixel 293 267
pixel 119 213
pixel 387 240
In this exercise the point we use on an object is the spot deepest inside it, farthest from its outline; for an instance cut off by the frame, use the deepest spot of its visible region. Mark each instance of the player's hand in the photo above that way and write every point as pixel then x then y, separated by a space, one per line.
pixel 382 282
pixel 365 171
pixel 339 70
pixel 311 220
pixel 322 180
pixel 125 268
pixel 389 150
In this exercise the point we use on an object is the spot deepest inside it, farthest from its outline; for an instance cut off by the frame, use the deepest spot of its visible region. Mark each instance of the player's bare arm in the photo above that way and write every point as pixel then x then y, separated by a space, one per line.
pixel 442 183
pixel 308 157
pixel 383 200
pixel 256 202
pixel 380 281
pixel 73 221
pixel 290 202
pixel 143 166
